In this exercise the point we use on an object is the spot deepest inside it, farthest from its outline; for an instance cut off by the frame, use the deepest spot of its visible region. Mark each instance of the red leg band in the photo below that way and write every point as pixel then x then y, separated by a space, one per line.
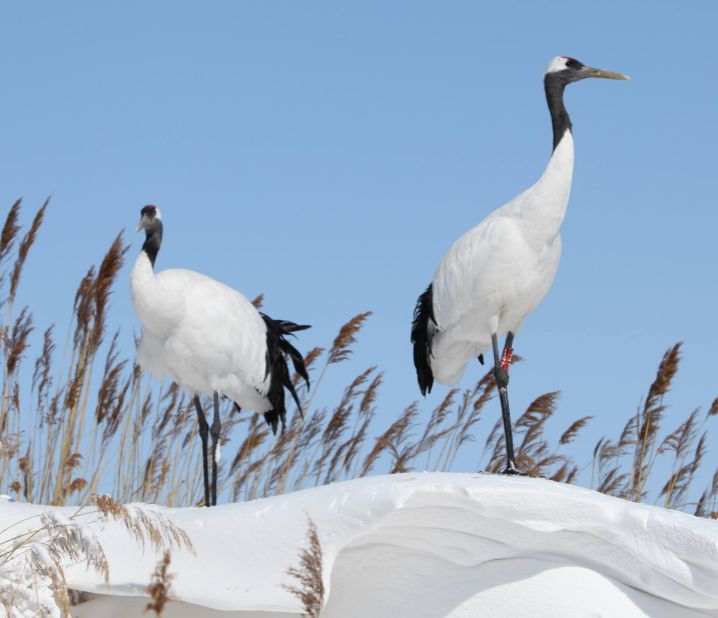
pixel 506 358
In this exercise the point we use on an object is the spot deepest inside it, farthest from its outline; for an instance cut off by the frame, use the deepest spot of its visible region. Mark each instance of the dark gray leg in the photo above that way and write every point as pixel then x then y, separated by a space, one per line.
pixel 203 431
pixel 501 374
pixel 215 431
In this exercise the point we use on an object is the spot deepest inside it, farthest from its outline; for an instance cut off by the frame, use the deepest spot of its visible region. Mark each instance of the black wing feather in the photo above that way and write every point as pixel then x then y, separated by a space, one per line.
pixel 421 338
pixel 278 349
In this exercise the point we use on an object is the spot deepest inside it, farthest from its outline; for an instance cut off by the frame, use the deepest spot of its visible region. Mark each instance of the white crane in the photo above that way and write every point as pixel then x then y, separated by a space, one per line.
pixel 497 273
pixel 209 338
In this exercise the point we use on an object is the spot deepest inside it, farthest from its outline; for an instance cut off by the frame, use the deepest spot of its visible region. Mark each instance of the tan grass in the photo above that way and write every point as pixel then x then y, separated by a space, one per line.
pixel 159 587
pixel 93 420
pixel 341 348
pixel 309 588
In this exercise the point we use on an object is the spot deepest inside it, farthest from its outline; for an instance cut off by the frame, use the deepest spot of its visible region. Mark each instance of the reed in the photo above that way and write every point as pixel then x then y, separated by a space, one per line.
pixel 77 423
pixel 34 551
pixel 309 588
pixel 159 588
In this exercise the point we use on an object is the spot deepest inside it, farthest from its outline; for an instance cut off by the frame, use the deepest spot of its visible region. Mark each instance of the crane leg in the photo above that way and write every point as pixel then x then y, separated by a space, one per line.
pixel 203 431
pixel 501 375
pixel 215 431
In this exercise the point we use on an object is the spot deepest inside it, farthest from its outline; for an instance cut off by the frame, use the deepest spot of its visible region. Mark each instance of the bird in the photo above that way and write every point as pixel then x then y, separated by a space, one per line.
pixel 209 338
pixel 498 272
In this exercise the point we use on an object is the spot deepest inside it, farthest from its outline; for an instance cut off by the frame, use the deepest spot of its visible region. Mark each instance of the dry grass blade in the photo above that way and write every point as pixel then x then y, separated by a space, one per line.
pixel 628 435
pixel 144 525
pixel 310 588
pixel 310 358
pixel 16 340
pixel 533 420
pixel 679 440
pixel 369 398
pixel 106 275
pixel 677 486
pixel 159 587
pixel 41 378
pixel 568 435
pixel 666 372
pixel 256 435
pixel 709 498
pixel 170 399
pixel 338 421
pixel 25 245
pixel 71 540
pixel 538 411
pixel 341 348
pixel 156 436
pixel 107 394
pixel 481 395
pixel 440 413
pixel 9 230
pixel 701 505
pixel 640 441
pixel 650 420
pixel 391 440
pixel 258 301
pixel 84 307
pixel 614 483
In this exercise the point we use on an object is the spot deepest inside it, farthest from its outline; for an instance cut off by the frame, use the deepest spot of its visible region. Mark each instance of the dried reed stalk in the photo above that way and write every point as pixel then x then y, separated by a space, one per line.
pixel 649 421
pixel 25 245
pixel 341 348
pixel 310 583
pixel 159 587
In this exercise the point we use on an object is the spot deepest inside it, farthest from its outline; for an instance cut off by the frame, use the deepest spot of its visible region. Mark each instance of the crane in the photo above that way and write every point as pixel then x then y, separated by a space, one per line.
pixel 209 338
pixel 498 272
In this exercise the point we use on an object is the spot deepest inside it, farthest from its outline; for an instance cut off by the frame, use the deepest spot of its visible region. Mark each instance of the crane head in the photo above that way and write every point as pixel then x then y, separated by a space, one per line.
pixel 149 216
pixel 568 70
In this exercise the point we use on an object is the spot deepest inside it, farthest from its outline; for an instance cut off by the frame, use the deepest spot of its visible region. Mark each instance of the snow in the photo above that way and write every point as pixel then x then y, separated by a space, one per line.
pixel 26 593
pixel 425 545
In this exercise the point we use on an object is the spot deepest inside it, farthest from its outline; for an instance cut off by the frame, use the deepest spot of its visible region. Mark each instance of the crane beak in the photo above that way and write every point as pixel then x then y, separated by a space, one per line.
pixel 140 225
pixel 591 72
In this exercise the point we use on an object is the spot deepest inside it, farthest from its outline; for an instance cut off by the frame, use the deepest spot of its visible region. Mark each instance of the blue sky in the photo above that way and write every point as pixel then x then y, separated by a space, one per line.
pixel 328 154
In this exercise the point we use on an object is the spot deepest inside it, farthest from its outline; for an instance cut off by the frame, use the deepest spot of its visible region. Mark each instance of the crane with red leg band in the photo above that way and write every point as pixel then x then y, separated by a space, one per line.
pixel 497 273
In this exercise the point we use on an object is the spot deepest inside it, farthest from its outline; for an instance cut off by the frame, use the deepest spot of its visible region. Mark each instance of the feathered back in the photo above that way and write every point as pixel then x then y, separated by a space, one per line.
pixel 421 338
pixel 278 349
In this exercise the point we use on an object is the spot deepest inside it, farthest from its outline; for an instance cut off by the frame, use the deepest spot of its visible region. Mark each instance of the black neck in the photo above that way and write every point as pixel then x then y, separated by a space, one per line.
pixel 554 85
pixel 153 240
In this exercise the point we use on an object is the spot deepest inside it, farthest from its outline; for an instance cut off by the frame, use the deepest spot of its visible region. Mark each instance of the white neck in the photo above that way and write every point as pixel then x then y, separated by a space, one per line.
pixel 546 203
pixel 143 288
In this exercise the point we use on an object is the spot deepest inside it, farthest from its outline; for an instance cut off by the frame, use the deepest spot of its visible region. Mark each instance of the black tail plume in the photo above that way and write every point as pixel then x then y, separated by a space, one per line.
pixel 278 349
pixel 421 338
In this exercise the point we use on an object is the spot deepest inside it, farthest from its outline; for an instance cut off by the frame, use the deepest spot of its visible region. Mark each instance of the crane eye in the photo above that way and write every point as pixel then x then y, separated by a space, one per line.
pixel 572 63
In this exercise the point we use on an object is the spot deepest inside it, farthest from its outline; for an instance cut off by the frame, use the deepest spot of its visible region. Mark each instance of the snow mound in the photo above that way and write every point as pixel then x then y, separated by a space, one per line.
pixel 425 546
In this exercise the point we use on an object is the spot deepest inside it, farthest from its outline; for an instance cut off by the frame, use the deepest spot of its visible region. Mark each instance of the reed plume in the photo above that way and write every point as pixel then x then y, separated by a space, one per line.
pixel 310 582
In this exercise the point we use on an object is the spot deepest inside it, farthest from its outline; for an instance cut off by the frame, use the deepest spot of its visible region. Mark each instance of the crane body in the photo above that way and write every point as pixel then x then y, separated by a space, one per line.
pixel 498 272
pixel 209 338
pixel 518 248
pixel 201 333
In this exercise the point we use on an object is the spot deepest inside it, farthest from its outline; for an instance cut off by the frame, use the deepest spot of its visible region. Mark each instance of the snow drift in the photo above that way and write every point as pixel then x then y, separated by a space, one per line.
pixel 426 546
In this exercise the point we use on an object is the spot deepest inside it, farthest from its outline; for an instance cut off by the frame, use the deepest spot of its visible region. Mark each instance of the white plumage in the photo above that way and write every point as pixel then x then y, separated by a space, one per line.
pixel 209 338
pixel 200 333
pixel 497 273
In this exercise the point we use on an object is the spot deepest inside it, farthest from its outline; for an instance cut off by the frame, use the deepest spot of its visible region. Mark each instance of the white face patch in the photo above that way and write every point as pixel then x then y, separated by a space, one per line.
pixel 557 64
pixel 157 214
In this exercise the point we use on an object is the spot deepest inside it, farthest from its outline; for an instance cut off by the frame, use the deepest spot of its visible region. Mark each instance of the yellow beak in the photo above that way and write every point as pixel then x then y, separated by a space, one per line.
pixel 591 72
